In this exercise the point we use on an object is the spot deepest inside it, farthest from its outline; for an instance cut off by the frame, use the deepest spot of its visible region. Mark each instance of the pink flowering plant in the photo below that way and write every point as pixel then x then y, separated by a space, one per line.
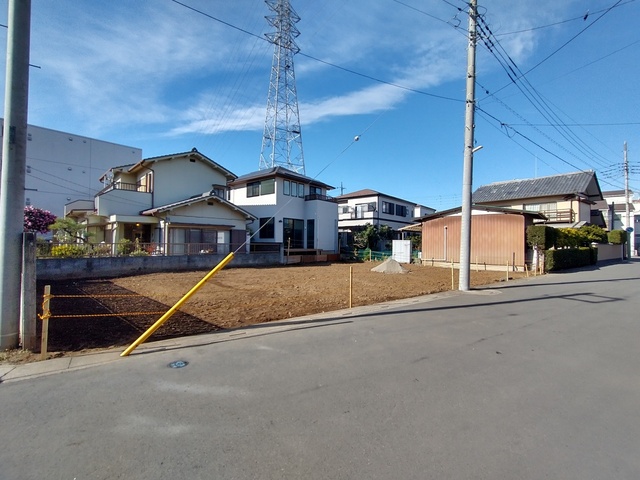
pixel 37 220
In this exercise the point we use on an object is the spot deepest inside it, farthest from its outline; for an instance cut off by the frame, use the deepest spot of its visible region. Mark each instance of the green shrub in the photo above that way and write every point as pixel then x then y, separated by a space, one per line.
pixel 541 236
pixel 569 258
pixel 617 237
pixel 125 246
pixel 67 250
pixel 594 234
pixel 101 250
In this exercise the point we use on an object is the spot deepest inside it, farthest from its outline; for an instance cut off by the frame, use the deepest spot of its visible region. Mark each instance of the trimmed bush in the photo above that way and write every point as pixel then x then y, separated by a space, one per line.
pixel 67 250
pixel 617 237
pixel 541 236
pixel 569 258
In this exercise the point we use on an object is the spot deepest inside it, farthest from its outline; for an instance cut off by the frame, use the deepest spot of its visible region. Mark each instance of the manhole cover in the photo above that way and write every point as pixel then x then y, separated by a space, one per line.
pixel 178 364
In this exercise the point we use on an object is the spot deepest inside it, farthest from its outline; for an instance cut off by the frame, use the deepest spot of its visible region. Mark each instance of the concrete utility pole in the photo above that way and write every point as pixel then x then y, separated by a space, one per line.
pixel 627 221
pixel 467 176
pixel 14 154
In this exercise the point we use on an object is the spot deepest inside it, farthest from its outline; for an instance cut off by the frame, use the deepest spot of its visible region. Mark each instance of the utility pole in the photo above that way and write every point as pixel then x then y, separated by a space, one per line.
pixel 14 154
pixel 467 176
pixel 627 221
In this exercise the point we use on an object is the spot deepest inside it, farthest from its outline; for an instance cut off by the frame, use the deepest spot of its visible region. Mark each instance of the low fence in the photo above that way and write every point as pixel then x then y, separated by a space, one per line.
pixel 133 249
pixel 104 267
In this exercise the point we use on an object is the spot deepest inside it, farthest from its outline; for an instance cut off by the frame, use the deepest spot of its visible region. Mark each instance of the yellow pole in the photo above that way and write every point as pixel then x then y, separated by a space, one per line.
pixel 452 281
pixel 350 286
pixel 46 313
pixel 178 304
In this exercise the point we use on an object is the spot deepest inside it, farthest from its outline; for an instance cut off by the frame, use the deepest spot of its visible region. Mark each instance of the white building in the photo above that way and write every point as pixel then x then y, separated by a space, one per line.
pixel 362 207
pixel 63 166
pixel 614 211
pixel 292 209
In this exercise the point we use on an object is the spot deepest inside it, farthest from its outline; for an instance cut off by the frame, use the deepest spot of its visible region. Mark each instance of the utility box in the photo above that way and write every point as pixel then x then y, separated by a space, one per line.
pixel 401 251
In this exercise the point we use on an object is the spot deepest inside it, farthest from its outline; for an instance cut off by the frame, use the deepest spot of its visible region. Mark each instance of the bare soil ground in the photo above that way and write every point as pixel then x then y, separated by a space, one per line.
pixel 87 315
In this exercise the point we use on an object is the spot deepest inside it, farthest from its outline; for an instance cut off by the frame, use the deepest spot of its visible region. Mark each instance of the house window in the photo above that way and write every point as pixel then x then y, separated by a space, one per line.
pixel 267 230
pixel 315 190
pixel 388 207
pixel 301 190
pixel 253 189
pixel 145 183
pixel 401 211
pixel 287 187
pixel 265 187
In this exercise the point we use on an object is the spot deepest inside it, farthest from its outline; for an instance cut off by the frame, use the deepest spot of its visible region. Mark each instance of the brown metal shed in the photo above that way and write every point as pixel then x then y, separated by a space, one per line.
pixel 498 235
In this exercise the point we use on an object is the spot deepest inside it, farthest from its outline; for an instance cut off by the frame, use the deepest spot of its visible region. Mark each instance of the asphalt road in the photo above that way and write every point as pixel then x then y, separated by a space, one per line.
pixel 536 379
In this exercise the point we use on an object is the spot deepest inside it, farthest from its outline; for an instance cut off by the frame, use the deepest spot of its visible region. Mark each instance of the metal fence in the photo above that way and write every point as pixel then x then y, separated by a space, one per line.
pixel 133 249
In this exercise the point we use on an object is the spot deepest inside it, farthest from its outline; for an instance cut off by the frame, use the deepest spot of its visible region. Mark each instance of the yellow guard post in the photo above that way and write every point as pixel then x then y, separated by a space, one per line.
pixel 178 304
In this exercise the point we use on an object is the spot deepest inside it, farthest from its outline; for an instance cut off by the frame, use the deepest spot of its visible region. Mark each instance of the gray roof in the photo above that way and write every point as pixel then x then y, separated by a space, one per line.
pixel 206 196
pixel 483 208
pixel 576 183
pixel 279 172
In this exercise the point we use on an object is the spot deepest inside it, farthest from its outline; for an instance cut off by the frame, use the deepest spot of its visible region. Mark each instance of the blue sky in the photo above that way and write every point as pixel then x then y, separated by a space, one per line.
pixel 163 77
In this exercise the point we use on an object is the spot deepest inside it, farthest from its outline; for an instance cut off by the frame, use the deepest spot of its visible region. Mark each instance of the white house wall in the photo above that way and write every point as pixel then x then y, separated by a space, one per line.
pixel 122 202
pixel 282 206
pixel 177 179
pixel 61 167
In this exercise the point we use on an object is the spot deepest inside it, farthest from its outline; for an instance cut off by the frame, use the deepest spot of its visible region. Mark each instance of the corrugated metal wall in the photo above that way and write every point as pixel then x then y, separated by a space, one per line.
pixel 495 239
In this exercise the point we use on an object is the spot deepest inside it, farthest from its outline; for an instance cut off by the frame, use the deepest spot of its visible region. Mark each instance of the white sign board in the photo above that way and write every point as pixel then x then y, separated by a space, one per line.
pixel 401 251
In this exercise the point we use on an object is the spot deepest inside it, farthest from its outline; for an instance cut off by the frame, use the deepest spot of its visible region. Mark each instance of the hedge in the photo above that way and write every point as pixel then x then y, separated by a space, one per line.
pixel 569 258
pixel 541 236
pixel 617 237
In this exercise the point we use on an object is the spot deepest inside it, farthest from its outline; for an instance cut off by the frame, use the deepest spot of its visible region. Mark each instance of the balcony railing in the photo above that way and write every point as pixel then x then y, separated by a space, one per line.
pixel 317 196
pixel 129 187
pixel 567 215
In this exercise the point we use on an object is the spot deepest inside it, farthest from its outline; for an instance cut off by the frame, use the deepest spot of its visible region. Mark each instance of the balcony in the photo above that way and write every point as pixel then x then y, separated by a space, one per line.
pixel 557 216
pixel 129 187
pixel 317 196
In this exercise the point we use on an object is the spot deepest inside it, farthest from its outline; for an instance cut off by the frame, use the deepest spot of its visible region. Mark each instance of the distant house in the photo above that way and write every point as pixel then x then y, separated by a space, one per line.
pixel 292 210
pixel 176 202
pixel 565 200
pixel 497 235
pixel 613 208
pixel 357 209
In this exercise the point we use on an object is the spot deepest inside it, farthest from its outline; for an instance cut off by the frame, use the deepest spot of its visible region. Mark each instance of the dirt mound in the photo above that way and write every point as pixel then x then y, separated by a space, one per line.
pixel 390 266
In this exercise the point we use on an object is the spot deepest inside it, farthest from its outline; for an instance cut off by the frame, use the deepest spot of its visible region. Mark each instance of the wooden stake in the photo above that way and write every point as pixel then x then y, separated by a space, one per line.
pixel 350 286
pixel 46 313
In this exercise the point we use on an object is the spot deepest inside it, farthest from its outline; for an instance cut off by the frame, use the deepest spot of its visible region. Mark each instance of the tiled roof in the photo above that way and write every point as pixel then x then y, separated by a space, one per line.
pixel 360 193
pixel 584 183
pixel 195 153
pixel 279 172
pixel 208 196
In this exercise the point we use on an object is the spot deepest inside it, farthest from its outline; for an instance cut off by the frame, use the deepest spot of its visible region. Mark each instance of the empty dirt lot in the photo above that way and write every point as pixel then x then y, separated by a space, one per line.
pixel 234 298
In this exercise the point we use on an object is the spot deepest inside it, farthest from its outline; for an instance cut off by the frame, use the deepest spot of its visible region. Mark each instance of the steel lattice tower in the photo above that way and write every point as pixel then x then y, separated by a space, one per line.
pixel 282 140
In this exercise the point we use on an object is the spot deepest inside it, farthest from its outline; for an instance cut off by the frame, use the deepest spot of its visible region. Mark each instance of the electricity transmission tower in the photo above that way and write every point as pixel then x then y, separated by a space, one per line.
pixel 282 141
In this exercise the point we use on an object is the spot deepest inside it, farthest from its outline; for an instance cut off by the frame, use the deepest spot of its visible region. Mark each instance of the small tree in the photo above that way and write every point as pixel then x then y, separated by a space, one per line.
pixel 37 220
pixel 69 231
pixel 368 237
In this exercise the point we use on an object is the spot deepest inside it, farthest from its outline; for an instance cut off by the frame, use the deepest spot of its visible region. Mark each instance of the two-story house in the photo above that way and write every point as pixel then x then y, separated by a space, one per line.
pixel 614 210
pixel 292 209
pixel 566 200
pixel 177 202
pixel 357 209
